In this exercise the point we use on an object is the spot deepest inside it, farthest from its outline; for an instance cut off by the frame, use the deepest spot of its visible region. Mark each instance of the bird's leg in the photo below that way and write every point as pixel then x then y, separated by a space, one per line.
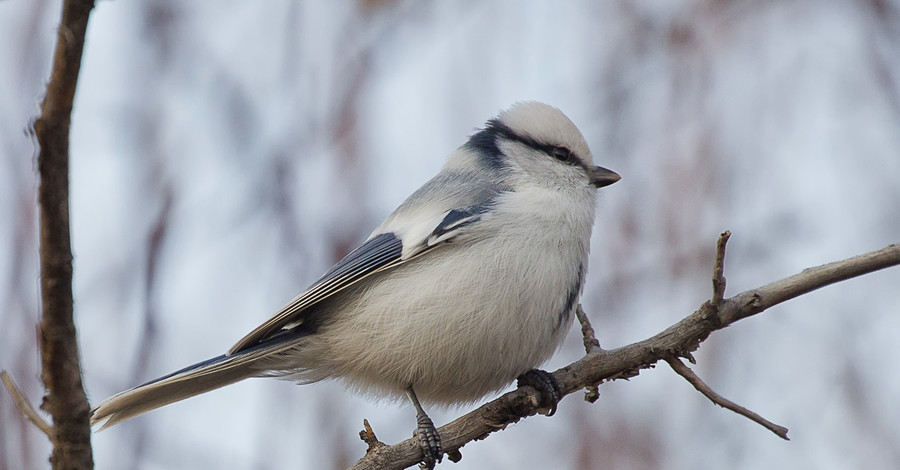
pixel 546 384
pixel 429 439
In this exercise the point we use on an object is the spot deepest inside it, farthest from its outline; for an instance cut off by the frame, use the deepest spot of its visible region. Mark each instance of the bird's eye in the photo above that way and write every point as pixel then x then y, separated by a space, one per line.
pixel 562 154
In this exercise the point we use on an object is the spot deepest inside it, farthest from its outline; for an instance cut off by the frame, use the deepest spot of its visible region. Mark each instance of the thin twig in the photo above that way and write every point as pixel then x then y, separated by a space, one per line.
pixel 587 331
pixel 591 344
pixel 368 436
pixel 25 406
pixel 701 387
pixel 718 279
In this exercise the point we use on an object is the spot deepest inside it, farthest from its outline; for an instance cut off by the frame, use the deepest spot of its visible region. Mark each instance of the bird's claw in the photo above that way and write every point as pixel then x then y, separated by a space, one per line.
pixel 429 441
pixel 546 384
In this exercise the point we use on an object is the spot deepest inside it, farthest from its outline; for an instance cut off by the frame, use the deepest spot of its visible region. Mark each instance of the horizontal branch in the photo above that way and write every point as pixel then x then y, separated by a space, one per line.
pixel 679 339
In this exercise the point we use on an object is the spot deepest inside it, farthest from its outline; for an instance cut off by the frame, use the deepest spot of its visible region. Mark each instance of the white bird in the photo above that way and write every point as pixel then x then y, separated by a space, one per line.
pixel 469 284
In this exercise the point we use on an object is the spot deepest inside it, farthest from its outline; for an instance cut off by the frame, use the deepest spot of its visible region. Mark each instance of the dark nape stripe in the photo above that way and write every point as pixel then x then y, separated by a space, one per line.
pixel 484 144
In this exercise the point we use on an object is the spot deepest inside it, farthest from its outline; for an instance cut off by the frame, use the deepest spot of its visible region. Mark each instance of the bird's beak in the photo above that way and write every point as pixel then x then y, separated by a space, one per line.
pixel 601 177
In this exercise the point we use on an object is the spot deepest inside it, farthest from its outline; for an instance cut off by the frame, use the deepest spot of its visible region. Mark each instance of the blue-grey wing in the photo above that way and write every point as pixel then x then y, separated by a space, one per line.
pixel 456 202
pixel 378 253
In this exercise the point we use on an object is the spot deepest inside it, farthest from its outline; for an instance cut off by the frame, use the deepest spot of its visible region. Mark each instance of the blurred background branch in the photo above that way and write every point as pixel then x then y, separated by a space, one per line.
pixel 25 406
pixel 65 399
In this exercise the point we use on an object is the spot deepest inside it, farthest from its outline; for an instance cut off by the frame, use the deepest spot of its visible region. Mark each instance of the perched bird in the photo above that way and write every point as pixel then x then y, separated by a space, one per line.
pixel 469 284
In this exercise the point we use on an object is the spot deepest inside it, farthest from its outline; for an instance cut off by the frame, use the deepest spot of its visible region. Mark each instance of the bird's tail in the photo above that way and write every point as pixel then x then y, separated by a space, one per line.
pixel 185 383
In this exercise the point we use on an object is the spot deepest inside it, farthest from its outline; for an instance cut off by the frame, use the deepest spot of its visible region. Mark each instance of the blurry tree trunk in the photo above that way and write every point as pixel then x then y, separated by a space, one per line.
pixel 65 399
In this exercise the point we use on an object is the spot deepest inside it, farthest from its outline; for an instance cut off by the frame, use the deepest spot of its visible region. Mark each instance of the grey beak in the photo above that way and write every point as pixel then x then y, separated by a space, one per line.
pixel 601 177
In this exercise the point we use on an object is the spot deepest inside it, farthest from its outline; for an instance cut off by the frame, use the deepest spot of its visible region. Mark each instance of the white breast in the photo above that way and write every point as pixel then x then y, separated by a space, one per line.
pixel 492 314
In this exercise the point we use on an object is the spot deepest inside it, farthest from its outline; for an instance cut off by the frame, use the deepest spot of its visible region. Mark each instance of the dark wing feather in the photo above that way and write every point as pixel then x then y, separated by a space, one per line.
pixel 380 252
pixel 455 221
pixel 383 251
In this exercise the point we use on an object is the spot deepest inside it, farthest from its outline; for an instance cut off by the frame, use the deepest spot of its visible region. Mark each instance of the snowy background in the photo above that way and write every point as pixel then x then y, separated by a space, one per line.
pixel 224 154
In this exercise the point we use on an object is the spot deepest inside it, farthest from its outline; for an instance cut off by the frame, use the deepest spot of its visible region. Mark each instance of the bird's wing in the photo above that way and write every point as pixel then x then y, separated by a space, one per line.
pixel 380 252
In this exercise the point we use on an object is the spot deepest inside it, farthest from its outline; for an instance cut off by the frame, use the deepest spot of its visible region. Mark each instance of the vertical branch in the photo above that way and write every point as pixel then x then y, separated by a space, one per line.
pixel 65 399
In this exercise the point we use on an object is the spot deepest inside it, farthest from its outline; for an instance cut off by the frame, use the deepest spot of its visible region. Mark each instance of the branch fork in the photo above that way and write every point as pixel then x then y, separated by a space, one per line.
pixel 718 282
pixel 679 340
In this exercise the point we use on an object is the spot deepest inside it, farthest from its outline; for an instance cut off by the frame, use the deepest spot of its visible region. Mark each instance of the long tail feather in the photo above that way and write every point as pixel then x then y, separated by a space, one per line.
pixel 185 383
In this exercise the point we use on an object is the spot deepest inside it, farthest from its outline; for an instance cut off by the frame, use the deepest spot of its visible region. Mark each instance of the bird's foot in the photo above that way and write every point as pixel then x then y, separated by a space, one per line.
pixel 429 441
pixel 546 384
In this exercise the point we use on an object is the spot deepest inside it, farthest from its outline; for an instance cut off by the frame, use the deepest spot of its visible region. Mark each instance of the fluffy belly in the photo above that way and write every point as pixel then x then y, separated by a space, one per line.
pixel 467 335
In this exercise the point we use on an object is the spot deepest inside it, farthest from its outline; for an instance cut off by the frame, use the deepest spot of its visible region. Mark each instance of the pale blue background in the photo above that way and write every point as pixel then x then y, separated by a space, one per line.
pixel 262 140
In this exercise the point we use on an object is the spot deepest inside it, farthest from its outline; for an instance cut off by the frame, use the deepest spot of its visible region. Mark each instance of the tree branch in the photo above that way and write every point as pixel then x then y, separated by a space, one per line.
pixel 718 279
pixel 596 367
pixel 25 406
pixel 61 372
pixel 591 344
pixel 714 397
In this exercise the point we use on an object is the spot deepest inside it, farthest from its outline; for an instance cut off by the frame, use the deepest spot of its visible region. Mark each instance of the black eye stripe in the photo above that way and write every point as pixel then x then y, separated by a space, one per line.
pixel 561 153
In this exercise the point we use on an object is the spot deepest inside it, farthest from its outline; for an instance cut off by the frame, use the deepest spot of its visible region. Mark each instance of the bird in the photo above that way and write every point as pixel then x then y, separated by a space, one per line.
pixel 468 285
